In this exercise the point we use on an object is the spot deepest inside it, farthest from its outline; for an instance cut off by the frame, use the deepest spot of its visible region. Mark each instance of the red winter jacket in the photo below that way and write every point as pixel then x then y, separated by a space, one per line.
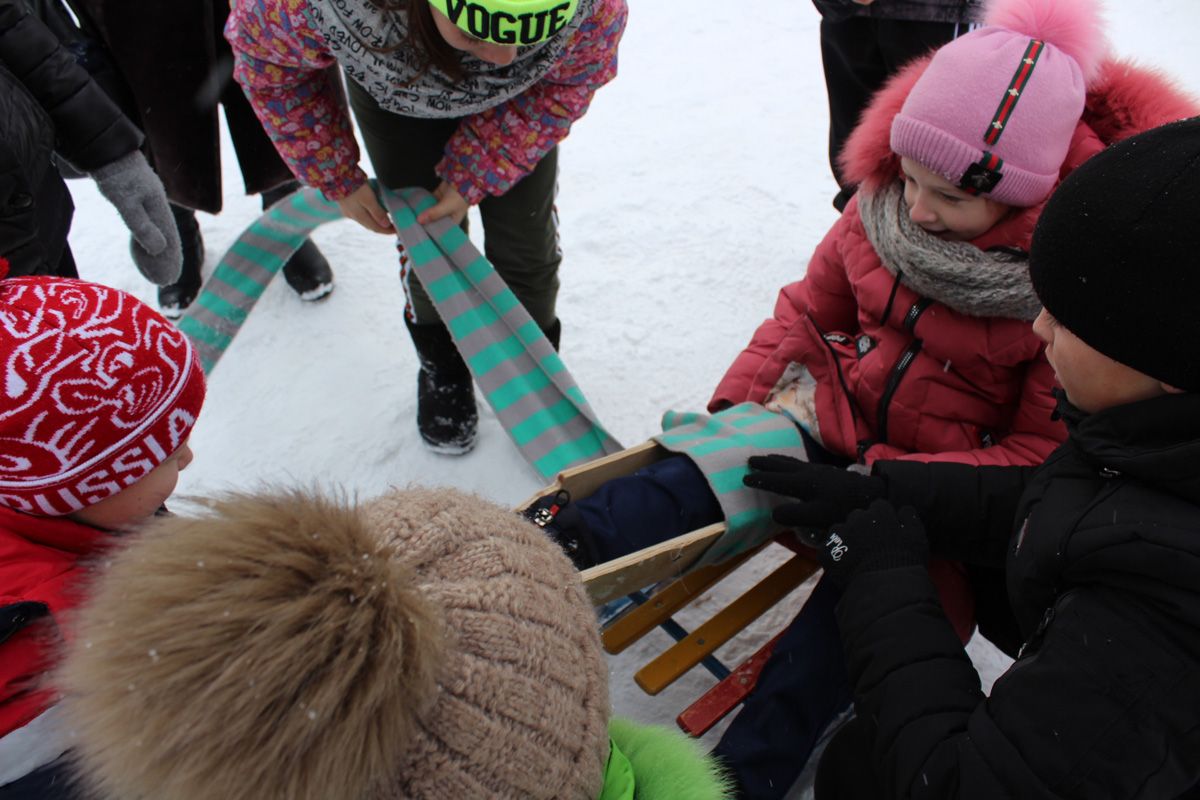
pixel 41 572
pixel 977 390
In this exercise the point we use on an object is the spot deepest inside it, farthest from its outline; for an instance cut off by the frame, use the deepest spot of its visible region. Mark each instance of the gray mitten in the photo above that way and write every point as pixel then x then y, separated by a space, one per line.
pixel 137 193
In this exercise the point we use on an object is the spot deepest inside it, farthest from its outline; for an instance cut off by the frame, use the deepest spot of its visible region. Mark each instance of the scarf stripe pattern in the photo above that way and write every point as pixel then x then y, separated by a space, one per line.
pixel 523 378
pixel 720 445
pixel 525 381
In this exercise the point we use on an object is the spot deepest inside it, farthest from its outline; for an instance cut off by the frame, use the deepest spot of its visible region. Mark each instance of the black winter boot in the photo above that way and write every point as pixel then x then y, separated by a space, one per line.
pixel 174 298
pixel 307 271
pixel 554 333
pixel 446 414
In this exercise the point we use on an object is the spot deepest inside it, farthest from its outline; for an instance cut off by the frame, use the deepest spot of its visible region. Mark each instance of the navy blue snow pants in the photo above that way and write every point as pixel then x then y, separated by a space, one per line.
pixel 801 689
pixel 656 503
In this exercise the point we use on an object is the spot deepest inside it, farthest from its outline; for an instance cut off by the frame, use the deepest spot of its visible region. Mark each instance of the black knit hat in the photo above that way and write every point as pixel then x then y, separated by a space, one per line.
pixel 1116 253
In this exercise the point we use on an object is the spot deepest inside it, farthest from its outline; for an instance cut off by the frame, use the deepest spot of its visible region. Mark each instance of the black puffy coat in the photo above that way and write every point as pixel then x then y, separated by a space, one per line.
pixel 1103 576
pixel 47 103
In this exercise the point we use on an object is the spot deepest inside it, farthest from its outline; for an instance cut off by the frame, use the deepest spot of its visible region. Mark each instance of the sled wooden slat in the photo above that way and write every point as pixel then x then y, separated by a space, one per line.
pixel 671 561
pixel 665 602
pixel 683 655
pixel 660 562
pixel 584 480
pixel 663 561
pixel 712 706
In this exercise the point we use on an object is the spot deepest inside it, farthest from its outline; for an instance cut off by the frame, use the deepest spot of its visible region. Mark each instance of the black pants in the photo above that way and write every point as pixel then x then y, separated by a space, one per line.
pixel 859 54
pixel 520 227
pixel 801 689
pixel 847 771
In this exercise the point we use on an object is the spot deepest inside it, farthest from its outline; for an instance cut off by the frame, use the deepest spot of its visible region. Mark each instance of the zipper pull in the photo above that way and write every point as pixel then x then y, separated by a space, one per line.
pixel 1047 618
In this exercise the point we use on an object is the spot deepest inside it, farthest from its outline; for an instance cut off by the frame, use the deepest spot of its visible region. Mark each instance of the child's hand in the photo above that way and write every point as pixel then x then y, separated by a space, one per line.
pixel 828 494
pixel 449 204
pixel 363 207
pixel 873 540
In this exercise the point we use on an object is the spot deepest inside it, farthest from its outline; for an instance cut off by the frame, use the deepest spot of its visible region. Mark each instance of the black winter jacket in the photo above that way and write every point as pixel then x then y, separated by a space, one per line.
pixel 48 103
pixel 1103 574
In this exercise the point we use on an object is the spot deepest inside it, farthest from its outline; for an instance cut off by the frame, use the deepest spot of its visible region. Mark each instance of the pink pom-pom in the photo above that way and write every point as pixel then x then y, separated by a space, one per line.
pixel 1074 26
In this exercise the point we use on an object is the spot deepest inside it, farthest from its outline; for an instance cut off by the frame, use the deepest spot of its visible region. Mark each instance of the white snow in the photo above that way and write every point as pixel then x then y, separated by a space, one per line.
pixel 695 187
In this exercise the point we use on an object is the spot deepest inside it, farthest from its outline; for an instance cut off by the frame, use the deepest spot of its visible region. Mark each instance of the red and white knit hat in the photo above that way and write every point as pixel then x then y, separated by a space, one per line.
pixel 98 390
pixel 996 109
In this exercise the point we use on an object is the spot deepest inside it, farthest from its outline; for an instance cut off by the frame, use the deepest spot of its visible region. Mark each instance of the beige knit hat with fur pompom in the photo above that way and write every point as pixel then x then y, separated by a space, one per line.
pixel 425 645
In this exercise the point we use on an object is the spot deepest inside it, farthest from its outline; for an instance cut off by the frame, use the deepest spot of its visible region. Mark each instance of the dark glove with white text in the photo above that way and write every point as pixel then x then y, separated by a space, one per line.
pixel 872 540
pixel 827 494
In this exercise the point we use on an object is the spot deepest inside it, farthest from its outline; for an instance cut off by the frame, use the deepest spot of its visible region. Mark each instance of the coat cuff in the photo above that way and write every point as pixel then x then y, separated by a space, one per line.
pixel 342 185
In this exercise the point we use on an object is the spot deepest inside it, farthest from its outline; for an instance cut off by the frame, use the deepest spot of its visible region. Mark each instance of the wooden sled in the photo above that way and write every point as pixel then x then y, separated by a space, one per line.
pixel 670 559
pixel 669 567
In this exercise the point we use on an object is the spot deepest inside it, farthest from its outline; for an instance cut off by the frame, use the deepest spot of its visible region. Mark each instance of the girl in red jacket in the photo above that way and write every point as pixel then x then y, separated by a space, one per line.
pixel 100 396
pixel 909 336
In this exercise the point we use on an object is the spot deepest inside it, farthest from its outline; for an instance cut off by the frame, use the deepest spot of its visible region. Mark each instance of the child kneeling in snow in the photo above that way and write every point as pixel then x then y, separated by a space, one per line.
pixel 100 396
pixel 909 337
pixel 427 645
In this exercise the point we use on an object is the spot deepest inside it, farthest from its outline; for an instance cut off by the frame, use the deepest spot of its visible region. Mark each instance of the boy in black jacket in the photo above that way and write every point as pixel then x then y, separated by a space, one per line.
pixel 1100 546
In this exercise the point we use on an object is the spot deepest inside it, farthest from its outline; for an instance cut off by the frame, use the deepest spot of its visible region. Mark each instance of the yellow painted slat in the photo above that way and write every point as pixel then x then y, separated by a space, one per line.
pixel 665 602
pixel 688 652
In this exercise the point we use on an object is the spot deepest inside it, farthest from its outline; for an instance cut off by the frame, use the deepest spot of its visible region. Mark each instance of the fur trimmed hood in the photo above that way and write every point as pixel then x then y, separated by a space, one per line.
pixel 1124 98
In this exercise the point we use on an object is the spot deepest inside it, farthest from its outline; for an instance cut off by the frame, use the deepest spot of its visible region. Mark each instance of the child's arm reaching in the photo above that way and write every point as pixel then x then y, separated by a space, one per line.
pixel 280 62
pixel 967 512
pixel 1033 435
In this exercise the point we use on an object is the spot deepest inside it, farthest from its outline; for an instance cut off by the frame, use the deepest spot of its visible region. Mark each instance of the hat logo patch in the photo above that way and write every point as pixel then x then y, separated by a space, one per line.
pixel 504 28
pixel 982 176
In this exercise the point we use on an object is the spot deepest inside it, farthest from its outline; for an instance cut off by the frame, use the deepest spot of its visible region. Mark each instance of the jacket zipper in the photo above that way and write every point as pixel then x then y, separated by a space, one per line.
pixel 914 313
pixel 900 367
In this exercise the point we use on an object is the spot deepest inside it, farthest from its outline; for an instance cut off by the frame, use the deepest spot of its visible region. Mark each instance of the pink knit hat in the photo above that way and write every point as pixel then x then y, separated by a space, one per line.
pixel 996 109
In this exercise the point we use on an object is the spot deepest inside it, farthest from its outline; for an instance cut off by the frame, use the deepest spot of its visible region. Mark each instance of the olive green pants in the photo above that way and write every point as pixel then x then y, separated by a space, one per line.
pixel 520 228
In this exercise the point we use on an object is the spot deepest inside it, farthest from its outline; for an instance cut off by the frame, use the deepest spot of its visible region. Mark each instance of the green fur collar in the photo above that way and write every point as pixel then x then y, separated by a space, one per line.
pixel 650 762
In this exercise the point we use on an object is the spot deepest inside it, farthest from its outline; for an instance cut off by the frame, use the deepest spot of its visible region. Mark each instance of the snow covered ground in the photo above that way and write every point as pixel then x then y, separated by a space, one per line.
pixel 695 187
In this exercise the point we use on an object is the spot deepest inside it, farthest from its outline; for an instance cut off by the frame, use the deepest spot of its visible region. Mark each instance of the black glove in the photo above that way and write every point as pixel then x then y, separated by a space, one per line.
pixel 828 494
pixel 878 538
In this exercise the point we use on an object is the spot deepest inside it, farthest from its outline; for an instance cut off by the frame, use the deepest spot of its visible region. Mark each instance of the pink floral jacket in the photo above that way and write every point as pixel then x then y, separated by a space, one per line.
pixel 280 58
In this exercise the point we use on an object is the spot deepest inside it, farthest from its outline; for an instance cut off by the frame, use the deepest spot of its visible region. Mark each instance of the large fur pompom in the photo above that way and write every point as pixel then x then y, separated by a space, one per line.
pixel 271 648
pixel 1074 26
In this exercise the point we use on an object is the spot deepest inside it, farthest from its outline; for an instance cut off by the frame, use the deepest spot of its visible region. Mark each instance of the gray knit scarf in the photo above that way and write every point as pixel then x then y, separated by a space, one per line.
pixel 956 274
pixel 396 77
